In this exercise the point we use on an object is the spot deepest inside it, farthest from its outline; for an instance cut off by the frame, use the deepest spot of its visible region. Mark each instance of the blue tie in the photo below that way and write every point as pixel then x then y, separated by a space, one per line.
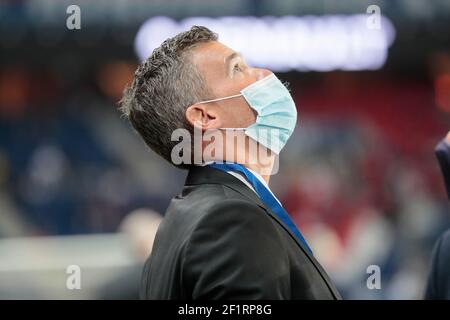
pixel 265 195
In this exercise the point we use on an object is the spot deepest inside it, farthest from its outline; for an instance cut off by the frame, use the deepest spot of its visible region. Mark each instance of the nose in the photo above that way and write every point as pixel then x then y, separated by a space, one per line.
pixel 262 73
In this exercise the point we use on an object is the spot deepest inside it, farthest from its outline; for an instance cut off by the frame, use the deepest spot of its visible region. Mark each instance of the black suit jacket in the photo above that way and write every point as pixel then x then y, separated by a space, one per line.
pixel 442 152
pixel 219 241
pixel 438 286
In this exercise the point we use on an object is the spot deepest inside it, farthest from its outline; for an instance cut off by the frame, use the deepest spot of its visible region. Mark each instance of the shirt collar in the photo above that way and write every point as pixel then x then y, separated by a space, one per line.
pixel 244 180
pixel 258 176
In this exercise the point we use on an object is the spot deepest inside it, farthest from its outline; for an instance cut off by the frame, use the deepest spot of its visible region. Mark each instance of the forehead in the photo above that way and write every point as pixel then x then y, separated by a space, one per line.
pixel 210 56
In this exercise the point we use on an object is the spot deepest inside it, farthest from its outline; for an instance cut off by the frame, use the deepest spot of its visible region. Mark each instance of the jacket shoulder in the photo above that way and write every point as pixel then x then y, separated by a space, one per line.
pixel 438 285
pixel 199 200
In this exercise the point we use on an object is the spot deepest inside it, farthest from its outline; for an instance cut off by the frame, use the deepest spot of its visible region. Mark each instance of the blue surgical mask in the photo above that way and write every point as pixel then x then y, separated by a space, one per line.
pixel 276 112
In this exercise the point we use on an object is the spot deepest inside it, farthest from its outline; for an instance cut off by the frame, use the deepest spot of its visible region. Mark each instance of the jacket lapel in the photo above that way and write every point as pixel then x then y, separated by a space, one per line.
pixel 208 175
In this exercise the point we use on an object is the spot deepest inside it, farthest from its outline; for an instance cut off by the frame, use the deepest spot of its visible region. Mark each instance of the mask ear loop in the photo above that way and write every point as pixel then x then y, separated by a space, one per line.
pixel 219 99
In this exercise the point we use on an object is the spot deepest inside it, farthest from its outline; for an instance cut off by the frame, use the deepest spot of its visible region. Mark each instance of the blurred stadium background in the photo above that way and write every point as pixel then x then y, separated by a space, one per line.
pixel 359 176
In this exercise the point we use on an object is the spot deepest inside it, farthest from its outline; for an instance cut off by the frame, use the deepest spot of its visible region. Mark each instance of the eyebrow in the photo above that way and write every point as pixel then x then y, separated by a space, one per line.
pixel 230 58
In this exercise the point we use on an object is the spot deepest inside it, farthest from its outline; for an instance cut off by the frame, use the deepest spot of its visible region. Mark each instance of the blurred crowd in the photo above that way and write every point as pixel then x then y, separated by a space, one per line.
pixel 57 175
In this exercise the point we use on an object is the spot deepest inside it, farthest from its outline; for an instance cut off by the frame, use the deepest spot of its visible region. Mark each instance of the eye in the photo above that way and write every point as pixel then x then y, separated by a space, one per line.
pixel 237 67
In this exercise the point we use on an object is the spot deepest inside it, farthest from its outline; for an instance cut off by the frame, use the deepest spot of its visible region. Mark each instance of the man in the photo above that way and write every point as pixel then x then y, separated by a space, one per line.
pixel 226 236
pixel 438 285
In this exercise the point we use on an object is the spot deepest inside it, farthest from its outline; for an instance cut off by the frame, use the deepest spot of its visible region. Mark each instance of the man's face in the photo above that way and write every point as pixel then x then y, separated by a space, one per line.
pixel 226 74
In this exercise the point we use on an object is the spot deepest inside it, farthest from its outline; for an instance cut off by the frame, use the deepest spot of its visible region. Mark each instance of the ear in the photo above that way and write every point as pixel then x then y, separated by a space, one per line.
pixel 203 116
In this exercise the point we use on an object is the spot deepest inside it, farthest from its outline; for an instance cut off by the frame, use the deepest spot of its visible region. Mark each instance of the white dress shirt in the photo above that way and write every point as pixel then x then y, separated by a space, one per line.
pixel 241 177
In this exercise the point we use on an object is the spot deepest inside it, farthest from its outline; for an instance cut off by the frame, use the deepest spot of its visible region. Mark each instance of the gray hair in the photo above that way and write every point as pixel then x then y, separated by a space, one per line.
pixel 164 86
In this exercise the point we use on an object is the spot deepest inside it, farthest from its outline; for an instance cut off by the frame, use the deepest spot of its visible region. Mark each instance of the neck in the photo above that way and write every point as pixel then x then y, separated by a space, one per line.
pixel 263 170
pixel 259 159
pixel 248 153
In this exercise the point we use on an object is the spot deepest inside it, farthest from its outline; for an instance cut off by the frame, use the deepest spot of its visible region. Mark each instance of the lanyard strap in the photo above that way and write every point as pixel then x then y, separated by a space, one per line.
pixel 265 195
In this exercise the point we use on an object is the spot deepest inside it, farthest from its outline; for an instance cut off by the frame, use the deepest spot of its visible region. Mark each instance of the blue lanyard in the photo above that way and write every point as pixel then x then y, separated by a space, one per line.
pixel 265 195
